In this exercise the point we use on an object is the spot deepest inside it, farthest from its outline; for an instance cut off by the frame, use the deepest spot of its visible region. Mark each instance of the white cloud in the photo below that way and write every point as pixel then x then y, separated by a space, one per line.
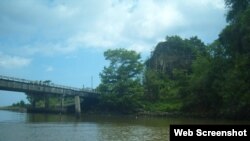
pixel 218 4
pixel 11 62
pixel 63 27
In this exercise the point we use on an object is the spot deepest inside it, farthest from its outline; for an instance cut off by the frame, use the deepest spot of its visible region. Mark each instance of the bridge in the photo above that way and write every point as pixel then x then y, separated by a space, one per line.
pixel 45 88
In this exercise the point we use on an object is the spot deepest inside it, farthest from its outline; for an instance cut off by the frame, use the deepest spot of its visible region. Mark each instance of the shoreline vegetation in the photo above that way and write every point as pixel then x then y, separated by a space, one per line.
pixel 155 114
pixel 137 114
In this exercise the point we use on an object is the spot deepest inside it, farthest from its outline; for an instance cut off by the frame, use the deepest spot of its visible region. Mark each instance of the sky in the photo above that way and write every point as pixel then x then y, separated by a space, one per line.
pixel 63 41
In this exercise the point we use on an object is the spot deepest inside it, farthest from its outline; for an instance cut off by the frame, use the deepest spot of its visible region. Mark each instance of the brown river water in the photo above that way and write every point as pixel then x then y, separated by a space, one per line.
pixel 16 126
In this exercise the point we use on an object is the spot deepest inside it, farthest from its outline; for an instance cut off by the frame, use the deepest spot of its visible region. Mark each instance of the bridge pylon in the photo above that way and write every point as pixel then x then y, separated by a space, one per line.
pixel 77 105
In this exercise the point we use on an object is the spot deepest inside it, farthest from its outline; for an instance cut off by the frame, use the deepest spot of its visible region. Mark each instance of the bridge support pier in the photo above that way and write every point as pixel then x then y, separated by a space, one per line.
pixel 77 105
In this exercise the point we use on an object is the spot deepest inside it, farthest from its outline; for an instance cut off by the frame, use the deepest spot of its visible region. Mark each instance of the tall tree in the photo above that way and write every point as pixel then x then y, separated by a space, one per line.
pixel 202 95
pixel 220 83
pixel 235 39
pixel 121 80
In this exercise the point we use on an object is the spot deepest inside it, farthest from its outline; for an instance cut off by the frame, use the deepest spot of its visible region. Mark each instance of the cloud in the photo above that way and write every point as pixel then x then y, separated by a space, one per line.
pixel 13 62
pixel 63 27
pixel 49 69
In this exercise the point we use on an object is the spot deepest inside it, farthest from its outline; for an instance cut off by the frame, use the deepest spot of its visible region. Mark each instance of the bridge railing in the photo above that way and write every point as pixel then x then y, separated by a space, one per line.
pixel 14 79
pixel 42 83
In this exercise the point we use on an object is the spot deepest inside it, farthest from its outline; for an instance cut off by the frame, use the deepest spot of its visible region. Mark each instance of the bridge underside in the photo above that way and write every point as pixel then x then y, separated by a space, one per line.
pixel 59 104
pixel 38 88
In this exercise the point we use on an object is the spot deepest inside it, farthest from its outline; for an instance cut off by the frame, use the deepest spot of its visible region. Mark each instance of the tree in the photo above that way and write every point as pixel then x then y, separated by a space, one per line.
pixel 235 40
pixel 202 95
pixel 121 80
pixel 156 85
pixel 19 104
pixel 219 84
pixel 235 8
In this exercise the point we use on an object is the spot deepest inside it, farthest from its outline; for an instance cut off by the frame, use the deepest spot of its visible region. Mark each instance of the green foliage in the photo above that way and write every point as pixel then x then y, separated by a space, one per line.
pixel 185 75
pixel 235 8
pixel 157 85
pixel 201 93
pixel 38 100
pixel 219 84
pixel 235 38
pixel 19 104
pixel 121 80
pixel 236 90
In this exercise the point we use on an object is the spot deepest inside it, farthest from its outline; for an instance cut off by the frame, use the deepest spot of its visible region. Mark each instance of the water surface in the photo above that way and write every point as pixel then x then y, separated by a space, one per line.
pixel 15 126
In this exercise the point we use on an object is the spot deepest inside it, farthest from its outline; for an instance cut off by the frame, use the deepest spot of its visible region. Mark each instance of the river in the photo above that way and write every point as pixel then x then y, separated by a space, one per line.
pixel 16 126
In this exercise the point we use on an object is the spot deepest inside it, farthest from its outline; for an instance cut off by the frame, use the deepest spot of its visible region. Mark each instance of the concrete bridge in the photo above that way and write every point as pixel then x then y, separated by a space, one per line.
pixel 45 88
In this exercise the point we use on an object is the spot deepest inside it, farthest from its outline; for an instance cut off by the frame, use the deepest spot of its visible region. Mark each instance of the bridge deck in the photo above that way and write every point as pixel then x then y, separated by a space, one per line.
pixel 42 87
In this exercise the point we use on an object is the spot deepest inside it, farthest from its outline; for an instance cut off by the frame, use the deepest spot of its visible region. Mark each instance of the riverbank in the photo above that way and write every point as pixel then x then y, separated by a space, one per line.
pixel 135 114
pixel 70 111
pixel 17 109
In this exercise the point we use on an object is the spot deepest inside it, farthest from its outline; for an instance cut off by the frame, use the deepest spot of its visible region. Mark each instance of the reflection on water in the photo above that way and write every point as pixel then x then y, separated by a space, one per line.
pixel 41 127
